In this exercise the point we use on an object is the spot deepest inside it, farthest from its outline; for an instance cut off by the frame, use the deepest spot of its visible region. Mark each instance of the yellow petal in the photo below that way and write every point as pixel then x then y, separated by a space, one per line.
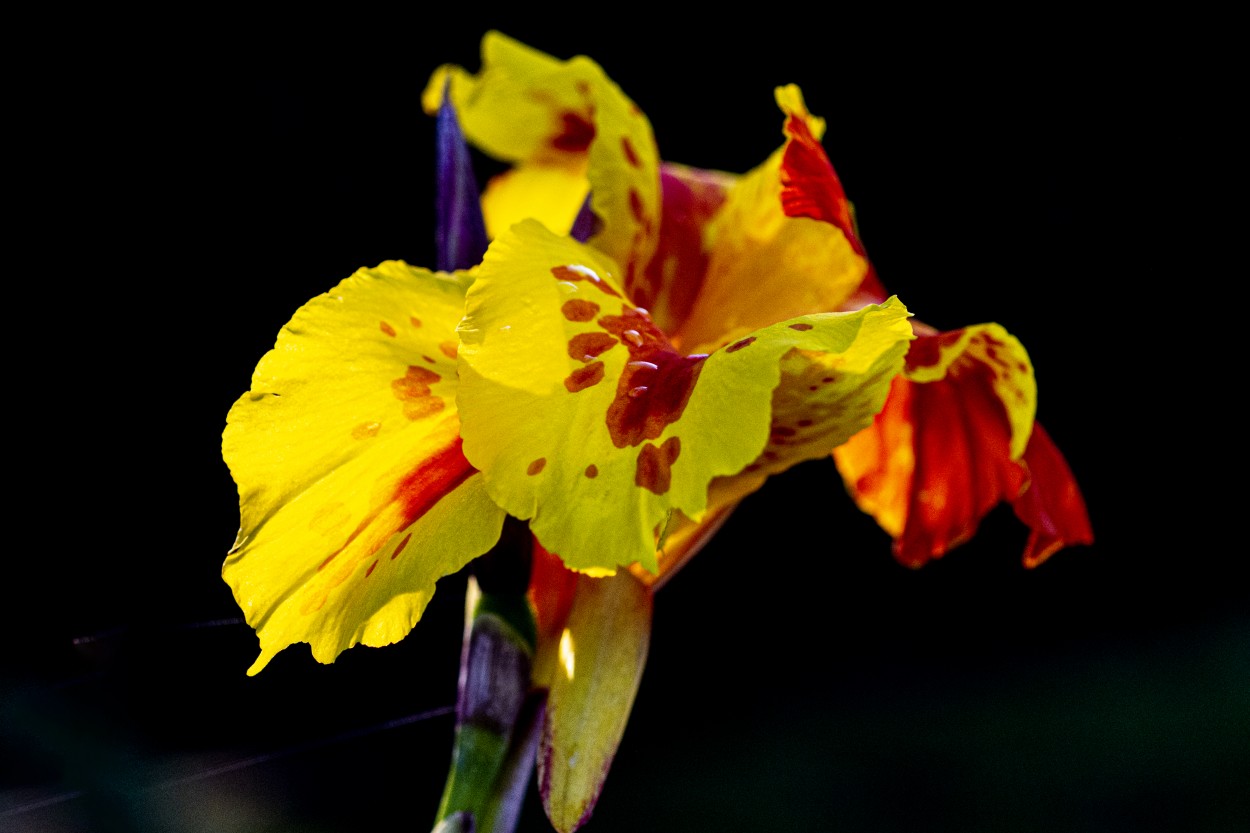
pixel 560 121
pixel 602 651
pixel 354 494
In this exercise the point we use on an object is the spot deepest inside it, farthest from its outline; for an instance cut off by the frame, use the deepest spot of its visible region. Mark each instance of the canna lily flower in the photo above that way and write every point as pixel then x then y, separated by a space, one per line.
pixel 642 346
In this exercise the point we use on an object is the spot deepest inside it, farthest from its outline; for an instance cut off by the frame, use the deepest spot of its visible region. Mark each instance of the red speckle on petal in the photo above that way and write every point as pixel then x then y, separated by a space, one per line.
pixel 654 471
pixel 579 309
pixel 449 348
pixel 536 466
pixel 582 273
pixel 372 567
pixel 592 471
pixel 416 322
pixel 631 155
pixel 738 345
pixel 584 377
pixel 804 423
pixel 801 326
pixel 665 377
pixel 428 359
pixel 400 547
pixel 635 205
pixel 387 328
pixel 576 134
pixel 782 431
pixel 587 346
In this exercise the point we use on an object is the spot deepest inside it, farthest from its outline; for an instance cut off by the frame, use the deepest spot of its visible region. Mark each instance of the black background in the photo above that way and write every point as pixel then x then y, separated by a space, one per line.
pixel 200 186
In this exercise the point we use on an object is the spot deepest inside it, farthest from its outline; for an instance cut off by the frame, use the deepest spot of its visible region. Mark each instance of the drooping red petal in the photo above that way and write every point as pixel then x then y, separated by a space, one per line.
pixel 809 185
pixel 1051 503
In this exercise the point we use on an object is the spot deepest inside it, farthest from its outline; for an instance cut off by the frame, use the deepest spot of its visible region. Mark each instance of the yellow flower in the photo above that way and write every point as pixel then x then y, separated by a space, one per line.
pixel 620 394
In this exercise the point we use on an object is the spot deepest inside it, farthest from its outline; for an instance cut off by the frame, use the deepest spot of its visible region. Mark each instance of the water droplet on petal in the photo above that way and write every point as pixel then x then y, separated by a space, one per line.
pixel 566 287
pixel 651 365
pixel 633 337
pixel 634 393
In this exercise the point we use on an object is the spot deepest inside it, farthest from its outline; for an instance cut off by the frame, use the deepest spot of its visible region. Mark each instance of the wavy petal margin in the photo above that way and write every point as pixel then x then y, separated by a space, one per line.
pixel 587 422
pixel 354 495
pixel 951 443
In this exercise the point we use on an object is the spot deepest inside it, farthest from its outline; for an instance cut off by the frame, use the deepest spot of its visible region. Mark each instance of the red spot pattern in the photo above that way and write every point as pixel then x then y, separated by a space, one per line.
pixel 738 345
pixel 400 547
pixel 587 346
pixel 655 463
pixel 592 471
pixel 926 350
pixel 636 207
pixel 570 273
pixel 413 390
pixel 631 156
pixel 372 567
pixel 801 326
pixel 656 383
pixel 536 466
pixel 386 328
pixel 579 309
pixel 575 135
pixel 584 377
pixel 416 322
pixel 449 348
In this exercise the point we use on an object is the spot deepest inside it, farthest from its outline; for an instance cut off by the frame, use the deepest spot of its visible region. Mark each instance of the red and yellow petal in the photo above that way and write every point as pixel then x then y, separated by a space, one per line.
pixel 354 494
pixel 764 264
pixel 950 444
pixel 586 420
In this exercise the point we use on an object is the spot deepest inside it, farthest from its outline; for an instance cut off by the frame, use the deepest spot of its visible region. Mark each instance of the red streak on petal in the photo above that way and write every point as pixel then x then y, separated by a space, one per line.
pixel 809 185
pixel 536 466
pixel 400 548
pixel 416 322
pixel 416 492
pixel 372 567
pixel 386 328
pixel 449 348
pixel 801 326
pixel 738 345
pixel 635 205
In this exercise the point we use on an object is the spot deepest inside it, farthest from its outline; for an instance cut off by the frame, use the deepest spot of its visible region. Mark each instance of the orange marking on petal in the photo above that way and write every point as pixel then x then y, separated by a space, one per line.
pixel 584 377
pixel 580 310
pixel 738 345
pixel 365 430
pixel 536 466
pixel 414 321
pixel 428 359
pixel 449 348
pixel 654 471
pixel 592 471
pixel 387 328
pixel 422 408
